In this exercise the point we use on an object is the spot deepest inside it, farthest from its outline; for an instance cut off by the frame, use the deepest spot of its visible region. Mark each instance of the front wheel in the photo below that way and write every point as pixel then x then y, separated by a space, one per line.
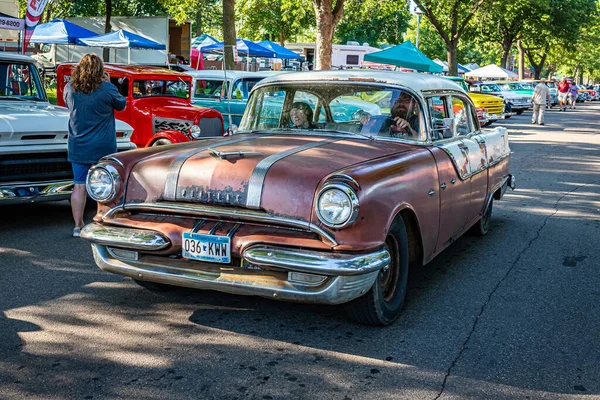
pixel 519 112
pixel 382 304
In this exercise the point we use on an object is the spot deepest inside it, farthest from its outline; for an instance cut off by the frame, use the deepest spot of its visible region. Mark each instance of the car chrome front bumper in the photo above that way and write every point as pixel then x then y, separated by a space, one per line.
pixel 35 192
pixel 280 273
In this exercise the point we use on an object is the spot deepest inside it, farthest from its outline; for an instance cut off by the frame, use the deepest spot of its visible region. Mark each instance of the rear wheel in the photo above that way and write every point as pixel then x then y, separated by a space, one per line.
pixel 155 287
pixel 381 305
pixel 161 142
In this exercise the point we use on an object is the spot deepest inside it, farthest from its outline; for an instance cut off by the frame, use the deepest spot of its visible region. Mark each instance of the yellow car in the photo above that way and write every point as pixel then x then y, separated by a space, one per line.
pixel 494 105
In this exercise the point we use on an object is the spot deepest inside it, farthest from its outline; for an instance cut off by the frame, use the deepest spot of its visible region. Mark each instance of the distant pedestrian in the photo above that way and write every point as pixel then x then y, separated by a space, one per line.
pixel 92 101
pixel 563 92
pixel 573 93
pixel 541 100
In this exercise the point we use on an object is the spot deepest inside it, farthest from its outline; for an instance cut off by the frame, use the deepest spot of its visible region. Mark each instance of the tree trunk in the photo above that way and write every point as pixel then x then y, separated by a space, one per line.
pixel 229 36
pixel 451 53
pixel 325 30
pixel 281 38
pixel 521 60
pixel 328 16
pixel 506 46
pixel 107 29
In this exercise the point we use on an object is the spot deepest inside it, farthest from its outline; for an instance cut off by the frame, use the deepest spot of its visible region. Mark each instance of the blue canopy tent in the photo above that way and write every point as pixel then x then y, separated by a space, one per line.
pixel 244 47
pixel 405 55
pixel 60 31
pixel 280 51
pixel 122 39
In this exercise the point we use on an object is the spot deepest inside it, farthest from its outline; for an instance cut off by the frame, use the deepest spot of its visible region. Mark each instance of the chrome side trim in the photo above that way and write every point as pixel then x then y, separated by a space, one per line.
pixel 170 191
pixel 201 210
pixel 257 179
pixel 133 239
pixel 317 262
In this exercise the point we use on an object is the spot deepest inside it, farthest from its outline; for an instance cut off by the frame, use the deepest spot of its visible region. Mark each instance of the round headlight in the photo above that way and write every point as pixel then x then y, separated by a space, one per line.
pixel 195 131
pixel 102 183
pixel 337 205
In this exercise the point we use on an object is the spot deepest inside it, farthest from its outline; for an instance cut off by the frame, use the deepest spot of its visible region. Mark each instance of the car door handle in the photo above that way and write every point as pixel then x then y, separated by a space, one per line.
pixel 443 186
pixel 453 181
pixel 431 192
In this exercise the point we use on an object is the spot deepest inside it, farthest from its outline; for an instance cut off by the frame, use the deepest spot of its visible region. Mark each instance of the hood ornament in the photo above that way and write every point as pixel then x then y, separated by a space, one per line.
pixel 225 155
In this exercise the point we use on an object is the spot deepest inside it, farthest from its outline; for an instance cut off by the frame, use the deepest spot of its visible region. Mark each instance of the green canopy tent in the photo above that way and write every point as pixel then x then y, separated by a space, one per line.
pixel 405 55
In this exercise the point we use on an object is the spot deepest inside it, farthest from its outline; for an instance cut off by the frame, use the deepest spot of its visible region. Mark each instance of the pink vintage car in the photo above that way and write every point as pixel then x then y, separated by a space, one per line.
pixel 335 185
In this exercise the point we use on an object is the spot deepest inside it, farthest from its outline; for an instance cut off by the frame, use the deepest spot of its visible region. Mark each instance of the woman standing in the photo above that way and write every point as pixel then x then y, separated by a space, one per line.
pixel 92 101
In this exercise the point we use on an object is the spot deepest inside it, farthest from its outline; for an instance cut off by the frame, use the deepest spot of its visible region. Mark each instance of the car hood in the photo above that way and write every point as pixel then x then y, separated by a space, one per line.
pixel 38 122
pixel 276 173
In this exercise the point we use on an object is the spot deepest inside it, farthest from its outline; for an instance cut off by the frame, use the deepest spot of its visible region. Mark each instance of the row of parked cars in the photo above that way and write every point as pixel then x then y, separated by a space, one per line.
pixel 381 174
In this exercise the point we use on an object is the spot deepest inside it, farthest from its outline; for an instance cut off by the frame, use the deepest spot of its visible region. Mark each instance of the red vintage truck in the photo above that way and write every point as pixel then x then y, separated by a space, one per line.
pixel 158 104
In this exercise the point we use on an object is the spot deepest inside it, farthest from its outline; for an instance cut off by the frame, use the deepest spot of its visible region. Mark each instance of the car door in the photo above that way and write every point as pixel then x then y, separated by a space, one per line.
pixel 453 170
pixel 473 143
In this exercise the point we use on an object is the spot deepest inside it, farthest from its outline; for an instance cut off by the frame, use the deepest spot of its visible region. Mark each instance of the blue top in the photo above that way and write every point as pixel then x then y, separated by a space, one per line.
pixel 92 131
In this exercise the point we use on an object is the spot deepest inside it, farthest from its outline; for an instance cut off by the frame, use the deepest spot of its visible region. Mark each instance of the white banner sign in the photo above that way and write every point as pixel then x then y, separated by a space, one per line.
pixel 12 23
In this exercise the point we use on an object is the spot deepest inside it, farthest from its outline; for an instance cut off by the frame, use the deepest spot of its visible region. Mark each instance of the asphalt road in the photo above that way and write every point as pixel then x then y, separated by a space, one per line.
pixel 513 315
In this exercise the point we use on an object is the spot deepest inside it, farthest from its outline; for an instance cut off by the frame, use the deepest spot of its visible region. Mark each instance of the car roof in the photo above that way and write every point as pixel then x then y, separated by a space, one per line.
pixel 416 81
pixel 130 69
pixel 15 57
pixel 220 74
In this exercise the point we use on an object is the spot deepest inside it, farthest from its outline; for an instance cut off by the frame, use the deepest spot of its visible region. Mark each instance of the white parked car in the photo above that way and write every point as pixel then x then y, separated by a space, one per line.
pixel 33 137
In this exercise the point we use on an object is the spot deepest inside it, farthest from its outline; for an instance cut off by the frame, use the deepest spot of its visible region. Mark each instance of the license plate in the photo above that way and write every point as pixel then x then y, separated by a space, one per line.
pixel 494 116
pixel 210 248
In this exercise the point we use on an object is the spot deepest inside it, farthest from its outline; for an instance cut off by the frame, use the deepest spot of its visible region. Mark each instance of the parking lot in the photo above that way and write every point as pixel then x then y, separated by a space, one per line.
pixel 512 315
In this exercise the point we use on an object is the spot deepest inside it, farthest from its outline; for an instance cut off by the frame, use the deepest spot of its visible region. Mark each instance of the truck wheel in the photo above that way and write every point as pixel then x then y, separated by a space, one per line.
pixel 382 304
pixel 161 142
pixel 519 112
pixel 154 287
pixel 482 227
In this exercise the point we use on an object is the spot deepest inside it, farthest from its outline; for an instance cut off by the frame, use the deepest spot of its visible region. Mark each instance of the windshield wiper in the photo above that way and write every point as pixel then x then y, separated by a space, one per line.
pixel 345 133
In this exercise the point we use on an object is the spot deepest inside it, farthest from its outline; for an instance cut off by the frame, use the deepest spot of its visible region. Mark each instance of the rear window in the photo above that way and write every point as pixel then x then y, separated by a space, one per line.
pixel 153 87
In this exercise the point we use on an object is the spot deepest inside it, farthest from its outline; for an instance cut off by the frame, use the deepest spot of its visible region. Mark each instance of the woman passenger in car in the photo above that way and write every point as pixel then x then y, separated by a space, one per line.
pixel 301 116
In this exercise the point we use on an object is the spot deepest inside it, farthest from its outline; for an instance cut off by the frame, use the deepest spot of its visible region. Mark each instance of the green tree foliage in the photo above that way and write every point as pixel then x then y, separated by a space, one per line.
pixel 279 20
pixel 452 19
pixel 373 21
pixel 558 23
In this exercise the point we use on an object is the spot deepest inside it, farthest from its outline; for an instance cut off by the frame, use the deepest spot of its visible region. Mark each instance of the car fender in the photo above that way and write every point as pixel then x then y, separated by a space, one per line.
pixel 171 135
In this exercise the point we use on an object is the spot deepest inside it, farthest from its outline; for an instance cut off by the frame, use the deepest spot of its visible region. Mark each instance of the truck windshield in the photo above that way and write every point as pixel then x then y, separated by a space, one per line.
pixel 20 81
pixel 153 87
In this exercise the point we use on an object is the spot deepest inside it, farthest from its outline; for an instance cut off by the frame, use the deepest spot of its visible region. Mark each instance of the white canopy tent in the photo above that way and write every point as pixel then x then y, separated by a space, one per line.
pixel 492 71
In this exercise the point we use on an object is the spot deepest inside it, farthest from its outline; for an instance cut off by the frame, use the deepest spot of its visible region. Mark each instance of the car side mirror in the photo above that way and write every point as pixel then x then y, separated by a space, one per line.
pixel 217 96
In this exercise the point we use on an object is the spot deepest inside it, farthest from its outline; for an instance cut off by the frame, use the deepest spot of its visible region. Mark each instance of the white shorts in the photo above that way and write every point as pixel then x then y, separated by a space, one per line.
pixel 562 96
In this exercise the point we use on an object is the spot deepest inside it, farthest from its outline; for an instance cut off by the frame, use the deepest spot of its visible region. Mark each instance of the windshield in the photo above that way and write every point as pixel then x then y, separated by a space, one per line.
pixel 551 85
pixel 153 87
pixel 20 81
pixel 528 86
pixel 512 86
pixel 490 88
pixel 342 107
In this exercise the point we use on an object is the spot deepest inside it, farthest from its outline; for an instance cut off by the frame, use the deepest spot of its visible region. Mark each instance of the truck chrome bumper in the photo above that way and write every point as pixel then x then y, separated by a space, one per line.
pixel 273 272
pixel 35 192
